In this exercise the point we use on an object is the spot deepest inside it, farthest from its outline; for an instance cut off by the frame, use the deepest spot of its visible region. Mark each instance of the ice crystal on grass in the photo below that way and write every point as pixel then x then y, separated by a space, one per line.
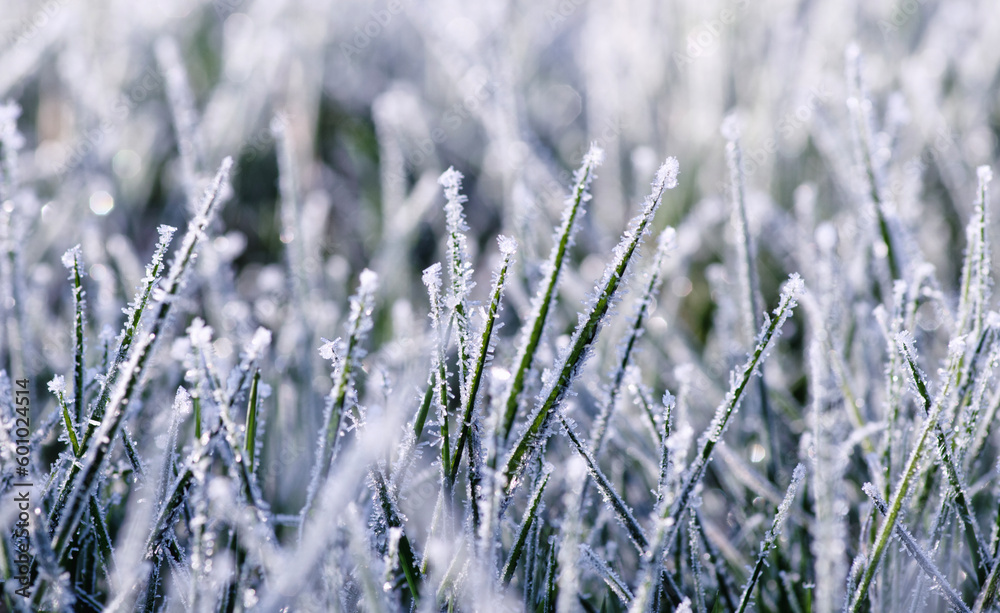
pixel 500 438
pixel 771 537
pixel 507 245
pixel 57 385
pixel 913 548
pixel 531 333
pixel 559 381
pixel 342 399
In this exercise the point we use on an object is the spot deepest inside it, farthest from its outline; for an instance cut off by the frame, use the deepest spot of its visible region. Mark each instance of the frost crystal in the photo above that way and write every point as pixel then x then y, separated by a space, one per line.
pixel 259 343
pixel 368 282
pixel 328 350
pixel 731 127
pixel 57 385
pixel 11 138
pixel 594 156
pixel 905 342
pixel 993 320
pixel 432 275
pixel 71 257
pixel 666 176
pixel 451 181
pixel 201 335
pixel 507 245
pixel 166 232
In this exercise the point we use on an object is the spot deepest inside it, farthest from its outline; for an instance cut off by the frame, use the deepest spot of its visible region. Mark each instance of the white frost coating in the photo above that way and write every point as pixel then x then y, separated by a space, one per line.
pixel 667 239
pixel 166 232
pixel 956 346
pixel 451 181
pixel 507 244
pixel 666 176
pixel 368 282
pixel 12 139
pixel 772 535
pixel 57 385
pixel 906 345
pixel 730 405
pixel 557 382
pixel 985 174
pixel 611 578
pixel 459 271
pixel 432 276
pixel 786 503
pixel 792 289
pixel 993 320
pixel 200 334
pixel 259 343
pixel 594 155
pixel 730 127
pixel 924 560
pixel 545 294
pixel 71 257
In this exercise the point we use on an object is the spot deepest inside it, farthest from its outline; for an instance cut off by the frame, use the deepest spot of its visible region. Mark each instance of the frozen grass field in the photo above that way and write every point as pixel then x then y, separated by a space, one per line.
pixel 336 305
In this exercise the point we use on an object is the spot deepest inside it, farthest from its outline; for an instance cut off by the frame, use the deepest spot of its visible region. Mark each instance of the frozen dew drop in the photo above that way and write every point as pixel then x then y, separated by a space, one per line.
pixel 223 348
pixel 126 164
pixel 101 202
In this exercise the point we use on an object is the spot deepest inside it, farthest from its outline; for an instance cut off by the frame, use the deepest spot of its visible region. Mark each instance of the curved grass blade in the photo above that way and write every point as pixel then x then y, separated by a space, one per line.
pixel 533 508
pixel 866 572
pixel 918 554
pixel 600 428
pixel 981 560
pixel 669 524
pixel 484 352
pixel 342 394
pixel 560 381
pixel 771 537
pixel 545 295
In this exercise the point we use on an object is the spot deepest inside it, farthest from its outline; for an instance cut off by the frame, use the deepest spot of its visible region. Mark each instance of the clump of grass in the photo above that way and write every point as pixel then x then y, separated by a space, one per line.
pixel 504 438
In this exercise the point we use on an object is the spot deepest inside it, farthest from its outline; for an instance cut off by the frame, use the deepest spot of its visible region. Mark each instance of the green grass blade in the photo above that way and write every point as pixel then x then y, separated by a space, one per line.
pixel 174 283
pixel 590 324
pixel 340 399
pixel 545 294
pixel 771 537
pixel 72 261
pixel 885 531
pixel 981 560
pixel 530 513
pixel 250 443
pixel 922 558
pixel 636 330
pixel 407 558
pixel 483 353
pixel 672 511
